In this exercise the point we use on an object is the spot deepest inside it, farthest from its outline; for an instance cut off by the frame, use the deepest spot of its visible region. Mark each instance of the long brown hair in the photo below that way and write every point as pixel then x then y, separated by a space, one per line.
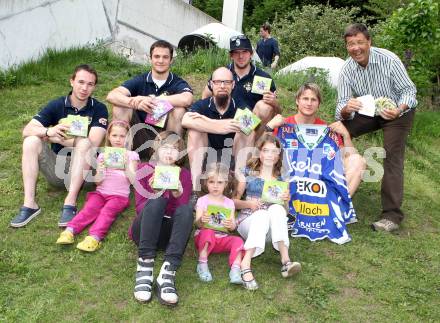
pixel 255 163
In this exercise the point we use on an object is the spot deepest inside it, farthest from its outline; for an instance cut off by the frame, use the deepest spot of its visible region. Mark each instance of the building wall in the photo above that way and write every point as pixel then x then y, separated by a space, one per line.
pixel 29 27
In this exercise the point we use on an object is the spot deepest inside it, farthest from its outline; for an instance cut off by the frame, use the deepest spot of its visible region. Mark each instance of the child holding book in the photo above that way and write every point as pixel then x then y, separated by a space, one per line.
pixel 260 221
pixel 209 241
pixel 164 220
pixel 111 196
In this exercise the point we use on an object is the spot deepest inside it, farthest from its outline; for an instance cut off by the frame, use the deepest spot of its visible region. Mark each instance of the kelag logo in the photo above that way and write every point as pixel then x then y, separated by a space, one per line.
pixel 311 187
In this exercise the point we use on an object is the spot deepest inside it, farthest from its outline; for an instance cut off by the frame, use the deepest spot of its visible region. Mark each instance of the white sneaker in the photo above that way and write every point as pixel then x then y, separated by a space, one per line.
pixel 144 280
pixel 385 225
pixel 165 283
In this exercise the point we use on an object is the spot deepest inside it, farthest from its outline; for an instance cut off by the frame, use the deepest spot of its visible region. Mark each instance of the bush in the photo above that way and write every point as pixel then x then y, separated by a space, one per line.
pixel 201 61
pixel 312 31
pixel 413 33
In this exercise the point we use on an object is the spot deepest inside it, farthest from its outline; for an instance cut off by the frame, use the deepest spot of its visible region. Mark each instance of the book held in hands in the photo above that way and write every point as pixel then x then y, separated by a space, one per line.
pixel 217 214
pixel 273 191
pixel 166 177
pixel 114 157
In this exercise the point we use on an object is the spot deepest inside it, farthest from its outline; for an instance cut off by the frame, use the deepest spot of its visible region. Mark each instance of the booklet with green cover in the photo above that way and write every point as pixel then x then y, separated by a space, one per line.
pixel 248 121
pixel 217 214
pixel 272 191
pixel 78 125
pixel 166 177
pixel 114 157
pixel 261 84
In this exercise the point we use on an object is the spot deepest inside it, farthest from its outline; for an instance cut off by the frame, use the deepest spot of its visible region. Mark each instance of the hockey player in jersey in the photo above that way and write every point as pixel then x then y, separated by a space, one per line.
pixel 308 100
pixel 320 198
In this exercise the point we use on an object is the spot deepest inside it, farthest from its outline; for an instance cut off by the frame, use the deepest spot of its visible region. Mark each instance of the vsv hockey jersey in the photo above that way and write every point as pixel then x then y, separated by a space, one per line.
pixel 319 197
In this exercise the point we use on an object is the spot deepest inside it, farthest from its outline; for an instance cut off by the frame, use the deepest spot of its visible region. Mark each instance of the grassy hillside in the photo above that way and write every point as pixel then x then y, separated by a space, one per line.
pixel 376 277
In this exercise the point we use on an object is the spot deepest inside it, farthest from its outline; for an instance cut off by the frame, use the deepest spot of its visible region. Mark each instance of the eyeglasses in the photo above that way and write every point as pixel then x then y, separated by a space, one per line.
pixel 219 82
pixel 234 38
pixel 354 44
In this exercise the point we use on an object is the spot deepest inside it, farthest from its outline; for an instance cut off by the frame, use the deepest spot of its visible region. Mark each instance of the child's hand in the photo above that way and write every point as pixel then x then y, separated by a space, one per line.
pixel 229 224
pixel 100 167
pixel 254 204
pixel 179 191
pixel 285 196
pixel 150 183
pixel 205 218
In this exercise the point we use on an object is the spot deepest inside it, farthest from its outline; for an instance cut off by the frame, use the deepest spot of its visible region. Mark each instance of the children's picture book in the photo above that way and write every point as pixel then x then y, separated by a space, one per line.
pixel 166 177
pixel 217 214
pixel 272 191
pixel 78 125
pixel 114 157
pixel 261 84
pixel 248 121
pixel 159 115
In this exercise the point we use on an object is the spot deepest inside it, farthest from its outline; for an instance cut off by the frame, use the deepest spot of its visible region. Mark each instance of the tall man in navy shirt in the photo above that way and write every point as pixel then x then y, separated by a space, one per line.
pixel 138 96
pixel 266 105
pixel 267 48
pixel 44 128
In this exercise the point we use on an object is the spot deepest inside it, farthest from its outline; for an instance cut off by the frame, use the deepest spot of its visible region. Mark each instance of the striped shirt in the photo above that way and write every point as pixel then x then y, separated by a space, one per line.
pixel 384 75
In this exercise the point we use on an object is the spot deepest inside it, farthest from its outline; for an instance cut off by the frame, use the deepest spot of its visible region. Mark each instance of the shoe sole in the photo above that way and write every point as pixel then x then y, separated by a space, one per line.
pixel 292 271
pixel 379 228
pixel 22 224
pixel 142 300
pixel 65 243
pixel 162 301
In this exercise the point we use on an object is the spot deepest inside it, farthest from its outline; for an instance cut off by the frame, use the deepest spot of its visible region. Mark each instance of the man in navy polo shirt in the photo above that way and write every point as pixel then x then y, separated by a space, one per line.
pixel 264 106
pixel 140 93
pixel 267 48
pixel 211 126
pixel 45 127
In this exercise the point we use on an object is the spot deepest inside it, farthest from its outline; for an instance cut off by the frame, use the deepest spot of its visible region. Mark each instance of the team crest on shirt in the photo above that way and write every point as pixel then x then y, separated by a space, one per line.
pixel 165 93
pixel 247 86
pixel 103 121
pixel 329 151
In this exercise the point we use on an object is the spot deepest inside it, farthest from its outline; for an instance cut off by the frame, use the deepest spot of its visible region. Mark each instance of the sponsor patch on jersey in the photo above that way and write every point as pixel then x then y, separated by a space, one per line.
pixel 103 121
pixel 329 151
pixel 311 209
pixel 291 144
pixel 311 187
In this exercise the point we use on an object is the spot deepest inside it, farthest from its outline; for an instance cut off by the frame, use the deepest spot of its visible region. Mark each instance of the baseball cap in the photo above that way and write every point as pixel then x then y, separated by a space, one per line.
pixel 240 42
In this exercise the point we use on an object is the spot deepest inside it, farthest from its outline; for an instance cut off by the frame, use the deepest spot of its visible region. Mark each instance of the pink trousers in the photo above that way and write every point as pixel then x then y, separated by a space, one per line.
pixel 227 243
pixel 100 209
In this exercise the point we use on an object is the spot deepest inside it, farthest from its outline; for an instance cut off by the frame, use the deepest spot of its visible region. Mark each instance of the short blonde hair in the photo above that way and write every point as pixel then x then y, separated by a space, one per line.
pixel 309 86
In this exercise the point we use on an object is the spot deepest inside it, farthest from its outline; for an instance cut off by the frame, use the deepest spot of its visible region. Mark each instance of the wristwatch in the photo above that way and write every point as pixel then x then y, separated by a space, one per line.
pixel 268 129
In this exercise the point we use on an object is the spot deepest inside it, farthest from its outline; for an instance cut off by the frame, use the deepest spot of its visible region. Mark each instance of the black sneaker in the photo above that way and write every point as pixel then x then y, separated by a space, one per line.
pixel 24 216
pixel 67 214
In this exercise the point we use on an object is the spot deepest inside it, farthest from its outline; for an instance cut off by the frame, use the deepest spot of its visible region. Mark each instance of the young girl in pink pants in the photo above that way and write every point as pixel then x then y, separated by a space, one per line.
pixel 110 198
pixel 208 241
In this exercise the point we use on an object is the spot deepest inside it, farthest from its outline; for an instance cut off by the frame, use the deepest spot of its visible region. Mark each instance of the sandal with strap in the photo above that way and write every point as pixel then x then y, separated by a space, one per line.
pixel 144 281
pixel 290 269
pixel 165 286
pixel 248 284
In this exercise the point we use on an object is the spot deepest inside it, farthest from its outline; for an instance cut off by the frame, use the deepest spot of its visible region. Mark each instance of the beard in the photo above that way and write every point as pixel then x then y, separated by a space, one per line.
pixel 221 100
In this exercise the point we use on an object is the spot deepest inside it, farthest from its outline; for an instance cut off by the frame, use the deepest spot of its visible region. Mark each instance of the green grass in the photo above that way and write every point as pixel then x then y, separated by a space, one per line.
pixel 376 277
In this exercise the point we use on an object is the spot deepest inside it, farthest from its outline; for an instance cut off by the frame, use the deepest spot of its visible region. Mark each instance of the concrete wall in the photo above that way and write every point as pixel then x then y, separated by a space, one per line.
pixel 29 27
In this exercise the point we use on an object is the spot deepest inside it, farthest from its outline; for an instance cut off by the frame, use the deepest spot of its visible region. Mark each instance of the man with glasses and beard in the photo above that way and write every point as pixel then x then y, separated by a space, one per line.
pixel 211 126
pixel 266 105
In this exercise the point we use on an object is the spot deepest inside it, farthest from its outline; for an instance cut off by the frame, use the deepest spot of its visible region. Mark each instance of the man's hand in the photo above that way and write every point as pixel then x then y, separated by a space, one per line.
pixel 230 125
pixel 390 114
pixel 353 105
pixel 276 121
pixel 143 103
pixel 269 98
pixel 339 128
pixel 273 65
pixel 58 132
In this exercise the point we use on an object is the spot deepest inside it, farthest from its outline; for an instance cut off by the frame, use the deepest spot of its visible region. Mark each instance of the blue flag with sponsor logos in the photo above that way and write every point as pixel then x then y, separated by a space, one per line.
pixel 319 196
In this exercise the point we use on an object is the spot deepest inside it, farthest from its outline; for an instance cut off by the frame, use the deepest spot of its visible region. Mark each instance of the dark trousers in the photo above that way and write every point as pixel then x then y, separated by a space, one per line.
pixel 395 133
pixel 151 230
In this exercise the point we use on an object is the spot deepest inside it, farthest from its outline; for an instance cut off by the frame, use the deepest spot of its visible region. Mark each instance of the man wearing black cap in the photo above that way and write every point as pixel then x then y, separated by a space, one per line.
pixel 266 105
